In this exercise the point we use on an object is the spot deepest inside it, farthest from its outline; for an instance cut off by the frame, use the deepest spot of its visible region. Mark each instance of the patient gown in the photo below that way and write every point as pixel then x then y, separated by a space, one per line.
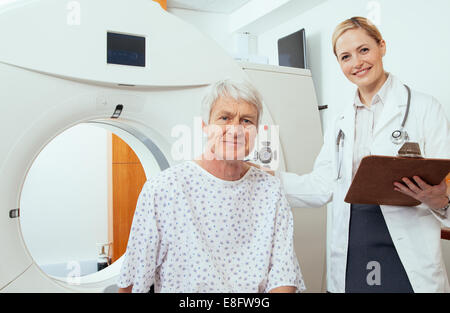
pixel 193 232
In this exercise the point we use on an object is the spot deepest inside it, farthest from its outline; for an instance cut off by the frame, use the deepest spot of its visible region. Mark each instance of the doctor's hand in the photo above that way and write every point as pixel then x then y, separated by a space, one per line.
pixel 261 168
pixel 433 196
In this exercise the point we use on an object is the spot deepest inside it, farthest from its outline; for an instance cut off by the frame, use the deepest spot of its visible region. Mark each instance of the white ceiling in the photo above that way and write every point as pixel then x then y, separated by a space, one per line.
pixel 213 6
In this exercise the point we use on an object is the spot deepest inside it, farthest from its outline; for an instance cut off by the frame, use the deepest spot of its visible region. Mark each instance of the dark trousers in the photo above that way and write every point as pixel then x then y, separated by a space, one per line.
pixel 373 265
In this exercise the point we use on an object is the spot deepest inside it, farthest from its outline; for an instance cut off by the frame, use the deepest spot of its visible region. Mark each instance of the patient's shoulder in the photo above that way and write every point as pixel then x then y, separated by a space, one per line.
pixel 260 176
pixel 168 178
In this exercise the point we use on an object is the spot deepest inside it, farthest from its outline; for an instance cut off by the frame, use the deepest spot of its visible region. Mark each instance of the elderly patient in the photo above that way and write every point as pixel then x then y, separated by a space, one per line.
pixel 215 224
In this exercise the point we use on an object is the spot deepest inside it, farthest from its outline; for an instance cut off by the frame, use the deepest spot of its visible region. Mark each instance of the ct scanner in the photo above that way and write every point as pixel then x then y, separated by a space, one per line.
pixel 55 73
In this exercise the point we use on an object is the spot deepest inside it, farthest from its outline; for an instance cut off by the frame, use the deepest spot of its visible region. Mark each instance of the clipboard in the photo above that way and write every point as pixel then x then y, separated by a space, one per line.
pixel 375 177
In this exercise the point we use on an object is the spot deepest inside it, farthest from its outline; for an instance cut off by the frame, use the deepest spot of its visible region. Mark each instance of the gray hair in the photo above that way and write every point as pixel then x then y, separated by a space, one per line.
pixel 234 89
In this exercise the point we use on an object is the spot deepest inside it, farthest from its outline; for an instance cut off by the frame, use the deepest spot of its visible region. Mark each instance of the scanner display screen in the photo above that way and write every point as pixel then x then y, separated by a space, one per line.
pixel 125 49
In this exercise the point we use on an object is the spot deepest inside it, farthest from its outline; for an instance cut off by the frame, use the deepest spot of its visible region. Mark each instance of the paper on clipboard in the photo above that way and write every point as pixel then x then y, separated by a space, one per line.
pixel 374 180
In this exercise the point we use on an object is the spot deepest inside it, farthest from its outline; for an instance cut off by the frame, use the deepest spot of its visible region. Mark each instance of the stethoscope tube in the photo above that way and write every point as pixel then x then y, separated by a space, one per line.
pixel 408 104
pixel 340 149
pixel 400 136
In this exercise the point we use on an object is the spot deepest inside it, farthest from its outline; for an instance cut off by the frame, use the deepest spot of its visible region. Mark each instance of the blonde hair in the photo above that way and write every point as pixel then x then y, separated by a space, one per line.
pixel 354 23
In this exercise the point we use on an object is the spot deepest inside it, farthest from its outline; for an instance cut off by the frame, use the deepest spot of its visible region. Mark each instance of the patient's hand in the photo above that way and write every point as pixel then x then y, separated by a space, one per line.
pixel 283 289
pixel 126 290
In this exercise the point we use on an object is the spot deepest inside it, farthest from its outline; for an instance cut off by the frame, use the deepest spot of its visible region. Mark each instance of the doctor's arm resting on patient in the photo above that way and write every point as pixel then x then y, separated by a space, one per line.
pixel 314 189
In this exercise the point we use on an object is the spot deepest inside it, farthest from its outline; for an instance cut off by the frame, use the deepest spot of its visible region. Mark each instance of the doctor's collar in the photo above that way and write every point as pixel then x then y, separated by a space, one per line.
pixel 381 95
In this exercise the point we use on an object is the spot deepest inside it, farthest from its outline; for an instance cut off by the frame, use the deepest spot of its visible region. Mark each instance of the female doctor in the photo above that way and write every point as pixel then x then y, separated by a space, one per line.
pixel 378 248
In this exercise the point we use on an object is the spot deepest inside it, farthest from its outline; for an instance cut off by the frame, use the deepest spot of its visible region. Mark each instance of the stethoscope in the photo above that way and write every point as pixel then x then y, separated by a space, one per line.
pixel 398 136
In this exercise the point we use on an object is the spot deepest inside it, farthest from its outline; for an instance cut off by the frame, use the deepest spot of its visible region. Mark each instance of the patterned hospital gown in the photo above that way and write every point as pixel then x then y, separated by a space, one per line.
pixel 193 232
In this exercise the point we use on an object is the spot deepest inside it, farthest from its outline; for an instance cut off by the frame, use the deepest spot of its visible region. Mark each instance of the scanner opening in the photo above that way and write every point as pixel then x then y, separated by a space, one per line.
pixel 72 201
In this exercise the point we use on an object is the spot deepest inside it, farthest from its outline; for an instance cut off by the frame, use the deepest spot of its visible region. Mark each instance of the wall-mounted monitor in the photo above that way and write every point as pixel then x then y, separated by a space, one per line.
pixel 292 50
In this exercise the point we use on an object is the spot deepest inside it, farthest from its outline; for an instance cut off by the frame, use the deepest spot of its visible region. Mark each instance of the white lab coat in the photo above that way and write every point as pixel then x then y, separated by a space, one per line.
pixel 415 231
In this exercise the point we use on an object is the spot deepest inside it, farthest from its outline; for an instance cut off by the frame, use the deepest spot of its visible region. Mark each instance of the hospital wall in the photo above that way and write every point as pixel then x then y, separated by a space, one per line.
pixel 416 33
pixel 213 25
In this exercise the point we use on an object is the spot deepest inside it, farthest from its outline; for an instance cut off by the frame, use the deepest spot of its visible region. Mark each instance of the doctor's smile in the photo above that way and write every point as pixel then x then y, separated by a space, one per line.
pixel 362 72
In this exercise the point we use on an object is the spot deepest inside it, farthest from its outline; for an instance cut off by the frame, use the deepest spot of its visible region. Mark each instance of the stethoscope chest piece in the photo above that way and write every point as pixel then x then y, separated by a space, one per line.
pixel 399 137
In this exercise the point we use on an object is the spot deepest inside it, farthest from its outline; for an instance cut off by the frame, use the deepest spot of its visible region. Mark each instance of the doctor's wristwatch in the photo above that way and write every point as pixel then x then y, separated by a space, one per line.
pixel 448 204
pixel 443 212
